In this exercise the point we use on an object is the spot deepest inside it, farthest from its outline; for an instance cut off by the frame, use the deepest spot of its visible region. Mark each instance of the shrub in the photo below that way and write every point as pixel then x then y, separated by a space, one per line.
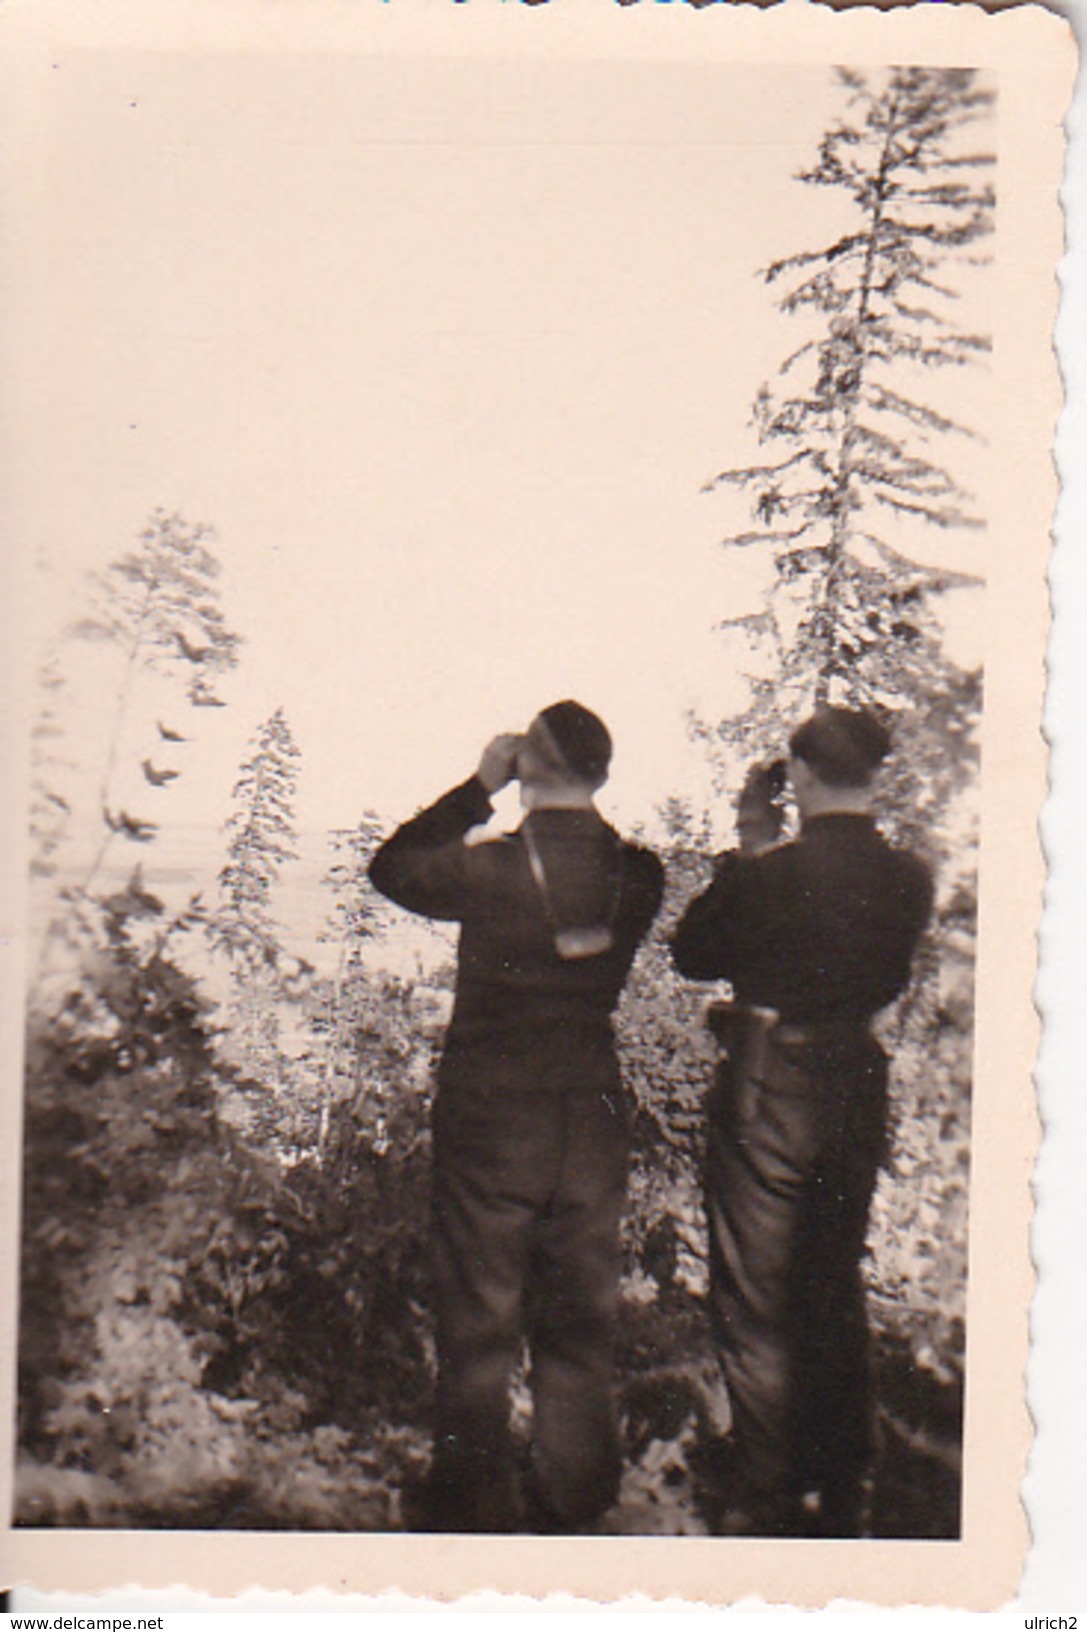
pixel 208 1329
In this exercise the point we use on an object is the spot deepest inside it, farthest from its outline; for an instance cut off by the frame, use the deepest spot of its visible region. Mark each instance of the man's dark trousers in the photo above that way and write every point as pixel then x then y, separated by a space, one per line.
pixel 796 1135
pixel 530 1162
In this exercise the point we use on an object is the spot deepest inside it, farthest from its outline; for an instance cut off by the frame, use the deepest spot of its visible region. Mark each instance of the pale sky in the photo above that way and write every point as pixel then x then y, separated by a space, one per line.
pixel 444 353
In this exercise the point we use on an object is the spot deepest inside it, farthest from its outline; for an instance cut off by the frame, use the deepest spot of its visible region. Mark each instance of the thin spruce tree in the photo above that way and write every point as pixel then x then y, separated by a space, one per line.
pixel 854 456
pixel 353 921
pixel 158 606
pixel 261 836
pixel 356 910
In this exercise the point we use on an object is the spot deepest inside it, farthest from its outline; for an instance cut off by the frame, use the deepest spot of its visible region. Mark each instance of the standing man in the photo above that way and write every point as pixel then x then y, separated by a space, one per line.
pixel 816 936
pixel 531 1122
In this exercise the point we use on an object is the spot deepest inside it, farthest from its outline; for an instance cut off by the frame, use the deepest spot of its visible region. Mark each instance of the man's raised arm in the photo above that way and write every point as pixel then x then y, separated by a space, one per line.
pixel 424 865
pixel 701 946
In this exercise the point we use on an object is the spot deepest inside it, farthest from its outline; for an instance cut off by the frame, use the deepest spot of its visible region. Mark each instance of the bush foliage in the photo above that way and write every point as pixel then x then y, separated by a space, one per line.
pixel 224 1294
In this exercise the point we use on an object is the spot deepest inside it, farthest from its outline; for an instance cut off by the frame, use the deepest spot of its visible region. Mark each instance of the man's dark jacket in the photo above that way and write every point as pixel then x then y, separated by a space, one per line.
pixel 512 985
pixel 820 929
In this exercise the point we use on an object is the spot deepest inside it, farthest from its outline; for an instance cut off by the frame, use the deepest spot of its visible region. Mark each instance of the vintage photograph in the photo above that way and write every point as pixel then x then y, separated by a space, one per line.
pixel 510 621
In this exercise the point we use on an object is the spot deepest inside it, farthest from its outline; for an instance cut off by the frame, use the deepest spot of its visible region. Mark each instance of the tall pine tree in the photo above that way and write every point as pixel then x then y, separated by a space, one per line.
pixel 261 839
pixel 333 1005
pixel 158 606
pixel 854 454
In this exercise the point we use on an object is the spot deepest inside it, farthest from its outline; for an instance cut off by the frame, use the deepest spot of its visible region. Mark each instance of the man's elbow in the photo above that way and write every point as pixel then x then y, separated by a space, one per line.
pixel 382 873
pixel 401 879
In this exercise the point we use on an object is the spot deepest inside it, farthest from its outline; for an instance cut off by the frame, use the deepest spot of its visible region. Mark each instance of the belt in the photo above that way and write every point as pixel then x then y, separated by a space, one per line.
pixel 820 1031
pixel 731 1021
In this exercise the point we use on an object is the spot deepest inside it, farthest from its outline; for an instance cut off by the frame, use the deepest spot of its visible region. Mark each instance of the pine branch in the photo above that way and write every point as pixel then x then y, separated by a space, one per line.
pixel 900 461
pixel 935 580
pixel 742 540
pixel 950 195
pixel 885 401
pixel 944 517
pixel 851 245
pixel 954 351
pixel 822 292
pixel 794 357
pixel 753 473
pixel 946 237
pixel 916 314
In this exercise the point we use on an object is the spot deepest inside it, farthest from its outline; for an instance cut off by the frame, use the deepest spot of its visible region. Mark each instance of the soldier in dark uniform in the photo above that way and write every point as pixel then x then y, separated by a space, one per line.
pixel 816 936
pixel 530 1122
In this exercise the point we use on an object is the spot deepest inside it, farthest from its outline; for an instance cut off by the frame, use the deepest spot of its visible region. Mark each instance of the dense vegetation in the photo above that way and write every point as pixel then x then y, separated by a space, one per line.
pixel 225 1284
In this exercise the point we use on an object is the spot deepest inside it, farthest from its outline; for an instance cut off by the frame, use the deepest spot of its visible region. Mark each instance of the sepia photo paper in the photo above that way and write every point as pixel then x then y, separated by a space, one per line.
pixel 621 434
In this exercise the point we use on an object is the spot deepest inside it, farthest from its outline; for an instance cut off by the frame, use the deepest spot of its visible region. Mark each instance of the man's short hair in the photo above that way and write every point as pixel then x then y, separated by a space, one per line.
pixel 843 746
pixel 581 738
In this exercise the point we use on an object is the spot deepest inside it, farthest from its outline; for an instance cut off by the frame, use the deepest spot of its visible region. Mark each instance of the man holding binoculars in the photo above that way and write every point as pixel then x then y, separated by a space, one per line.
pixel 816 936
pixel 530 1122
